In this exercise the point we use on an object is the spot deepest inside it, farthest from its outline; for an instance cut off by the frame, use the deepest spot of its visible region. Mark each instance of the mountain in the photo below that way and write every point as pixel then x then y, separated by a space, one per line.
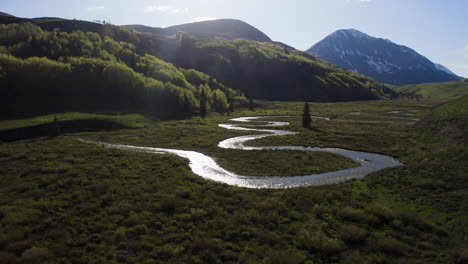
pixel 441 67
pixel 261 70
pixel 380 59
pixel 225 28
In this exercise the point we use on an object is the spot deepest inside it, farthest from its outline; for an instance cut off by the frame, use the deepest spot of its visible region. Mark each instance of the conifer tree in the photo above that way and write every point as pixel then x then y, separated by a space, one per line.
pixel 203 100
pixel 306 119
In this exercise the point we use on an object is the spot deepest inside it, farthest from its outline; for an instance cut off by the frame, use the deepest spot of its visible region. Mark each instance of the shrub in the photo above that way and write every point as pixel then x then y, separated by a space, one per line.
pixel 356 215
pixel 389 245
pixel 384 214
pixel 167 206
pixel 352 234
pixel 7 258
pixel 282 257
pixel 409 218
pixel 35 255
pixel 318 241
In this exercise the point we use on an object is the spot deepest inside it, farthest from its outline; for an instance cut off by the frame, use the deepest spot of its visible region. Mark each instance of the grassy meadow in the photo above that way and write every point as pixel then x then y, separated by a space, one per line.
pixel 64 201
pixel 449 90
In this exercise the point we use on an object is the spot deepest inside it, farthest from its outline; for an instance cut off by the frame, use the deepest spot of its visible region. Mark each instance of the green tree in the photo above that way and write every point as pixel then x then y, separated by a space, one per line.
pixel 306 119
pixel 251 105
pixel 203 100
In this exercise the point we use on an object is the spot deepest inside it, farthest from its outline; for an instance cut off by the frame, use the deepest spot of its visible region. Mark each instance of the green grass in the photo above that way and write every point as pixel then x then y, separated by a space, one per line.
pixel 63 201
pixel 282 162
pixel 129 120
pixel 448 90
pixel 457 106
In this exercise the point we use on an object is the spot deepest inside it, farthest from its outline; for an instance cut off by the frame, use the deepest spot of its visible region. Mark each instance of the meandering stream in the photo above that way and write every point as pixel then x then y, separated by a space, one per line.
pixel 206 167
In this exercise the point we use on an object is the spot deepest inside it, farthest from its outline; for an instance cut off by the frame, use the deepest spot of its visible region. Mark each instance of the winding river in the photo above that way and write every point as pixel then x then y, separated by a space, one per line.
pixel 206 167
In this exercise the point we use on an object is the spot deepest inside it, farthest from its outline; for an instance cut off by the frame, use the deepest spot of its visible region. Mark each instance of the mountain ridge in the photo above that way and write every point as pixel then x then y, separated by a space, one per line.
pixel 378 58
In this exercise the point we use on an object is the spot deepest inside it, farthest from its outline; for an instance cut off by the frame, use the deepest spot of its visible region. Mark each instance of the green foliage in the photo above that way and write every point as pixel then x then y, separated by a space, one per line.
pixel 256 68
pixel 87 72
pixel 281 163
pixel 35 255
pixel 458 106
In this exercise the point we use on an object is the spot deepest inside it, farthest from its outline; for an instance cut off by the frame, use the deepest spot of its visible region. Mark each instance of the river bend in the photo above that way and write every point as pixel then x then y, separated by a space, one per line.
pixel 206 167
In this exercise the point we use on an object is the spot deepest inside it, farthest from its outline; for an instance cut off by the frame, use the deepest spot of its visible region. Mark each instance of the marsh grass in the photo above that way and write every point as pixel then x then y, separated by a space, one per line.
pixel 64 201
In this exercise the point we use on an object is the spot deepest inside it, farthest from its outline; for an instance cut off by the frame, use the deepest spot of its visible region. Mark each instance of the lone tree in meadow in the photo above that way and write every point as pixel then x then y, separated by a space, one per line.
pixel 306 119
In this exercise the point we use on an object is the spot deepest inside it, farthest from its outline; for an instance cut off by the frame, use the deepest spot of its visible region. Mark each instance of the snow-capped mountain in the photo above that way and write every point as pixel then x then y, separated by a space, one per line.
pixel 380 59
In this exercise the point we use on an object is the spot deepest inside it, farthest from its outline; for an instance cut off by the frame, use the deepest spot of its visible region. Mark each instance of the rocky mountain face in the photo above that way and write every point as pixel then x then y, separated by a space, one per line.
pixel 380 59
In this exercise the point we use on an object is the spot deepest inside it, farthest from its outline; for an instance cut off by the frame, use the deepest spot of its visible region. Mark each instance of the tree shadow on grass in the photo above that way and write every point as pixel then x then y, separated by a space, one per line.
pixel 56 128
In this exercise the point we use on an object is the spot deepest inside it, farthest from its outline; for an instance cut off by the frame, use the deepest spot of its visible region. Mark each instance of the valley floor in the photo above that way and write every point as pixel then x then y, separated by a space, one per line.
pixel 64 201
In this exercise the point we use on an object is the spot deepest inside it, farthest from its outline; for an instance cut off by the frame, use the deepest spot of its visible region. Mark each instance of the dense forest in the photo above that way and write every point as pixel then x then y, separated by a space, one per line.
pixel 272 71
pixel 45 72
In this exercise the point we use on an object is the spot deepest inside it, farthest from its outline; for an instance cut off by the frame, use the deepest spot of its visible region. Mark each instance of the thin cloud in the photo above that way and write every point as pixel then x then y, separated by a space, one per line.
pixel 96 8
pixel 358 1
pixel 202 18
pixel 165 9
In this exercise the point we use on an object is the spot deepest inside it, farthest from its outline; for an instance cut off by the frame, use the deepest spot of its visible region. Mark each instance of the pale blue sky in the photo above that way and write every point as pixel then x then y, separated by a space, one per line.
pixel 438 29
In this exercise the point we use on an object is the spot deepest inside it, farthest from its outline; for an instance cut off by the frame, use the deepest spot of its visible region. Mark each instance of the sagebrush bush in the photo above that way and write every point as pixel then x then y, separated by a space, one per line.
pixel 352 234
pixel 388 245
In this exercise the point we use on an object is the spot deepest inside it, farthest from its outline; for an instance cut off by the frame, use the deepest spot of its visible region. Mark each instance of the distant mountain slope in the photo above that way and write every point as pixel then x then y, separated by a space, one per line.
pixel 226 28
pixel 145 29
pixel 444 69
pixel 379 58
pixel 438 90
pixel 272 71
pixel 263 70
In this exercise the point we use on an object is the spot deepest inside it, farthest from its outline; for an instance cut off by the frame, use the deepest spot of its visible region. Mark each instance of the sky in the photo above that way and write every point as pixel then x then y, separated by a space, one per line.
pixel 437 29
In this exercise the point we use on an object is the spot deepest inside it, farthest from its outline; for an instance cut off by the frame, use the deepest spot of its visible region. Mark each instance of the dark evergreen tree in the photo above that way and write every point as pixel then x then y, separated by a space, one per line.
pixel 231 106
pixel 306 119
pixel 251 105
pixel 203 103
pixel 187 107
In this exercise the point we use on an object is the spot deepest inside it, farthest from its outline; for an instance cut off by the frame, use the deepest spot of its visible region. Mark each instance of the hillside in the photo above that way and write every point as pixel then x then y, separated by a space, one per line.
pixel 447 90
pixel 262 70
pixel 45 72
pixel 458 106
pixel 220 28
pixel 271 71
pixel 380 59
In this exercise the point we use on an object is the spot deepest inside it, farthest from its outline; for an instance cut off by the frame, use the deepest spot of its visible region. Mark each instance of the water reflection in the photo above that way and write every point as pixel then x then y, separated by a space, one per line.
pixel 207 167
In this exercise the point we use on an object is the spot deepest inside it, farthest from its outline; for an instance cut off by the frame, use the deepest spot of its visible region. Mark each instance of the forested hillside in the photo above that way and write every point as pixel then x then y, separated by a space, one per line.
pixel 225 28
pixel 263 70
pixel 272 71
pixel 46 72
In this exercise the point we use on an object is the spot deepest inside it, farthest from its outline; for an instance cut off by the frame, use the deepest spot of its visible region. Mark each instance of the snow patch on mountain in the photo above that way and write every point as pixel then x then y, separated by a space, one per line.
pixel 379 58
pixel 441 67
